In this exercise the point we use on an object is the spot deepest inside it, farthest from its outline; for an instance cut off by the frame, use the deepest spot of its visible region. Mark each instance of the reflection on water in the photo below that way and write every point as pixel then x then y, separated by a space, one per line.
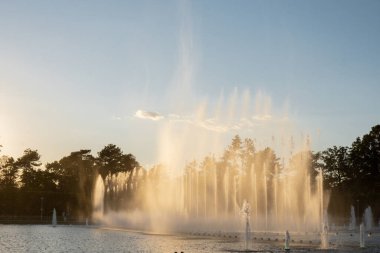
pixel 45 238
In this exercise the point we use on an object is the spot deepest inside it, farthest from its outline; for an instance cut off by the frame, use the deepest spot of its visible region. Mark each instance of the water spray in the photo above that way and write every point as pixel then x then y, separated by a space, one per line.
pixel 287 241
pixel 361 236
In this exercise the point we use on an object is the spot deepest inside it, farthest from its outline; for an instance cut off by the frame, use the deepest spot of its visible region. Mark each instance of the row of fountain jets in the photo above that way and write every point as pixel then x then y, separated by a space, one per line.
pixel 54 219
pixel 367 225
pixel 246 209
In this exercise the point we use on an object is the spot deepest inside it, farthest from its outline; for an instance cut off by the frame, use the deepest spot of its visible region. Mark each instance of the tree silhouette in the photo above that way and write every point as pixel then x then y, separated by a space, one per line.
pixel 351 174
pixel 28 164
pixel 111 160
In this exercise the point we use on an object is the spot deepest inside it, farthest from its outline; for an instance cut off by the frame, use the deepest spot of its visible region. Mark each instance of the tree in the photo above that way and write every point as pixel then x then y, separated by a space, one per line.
pixel 9 172
pixel 76 175
pixel 336 166
pixel 8 185
pixel 365 161
pixel 247 154
pixel 111 160
pixel 353 173
pixel 28 164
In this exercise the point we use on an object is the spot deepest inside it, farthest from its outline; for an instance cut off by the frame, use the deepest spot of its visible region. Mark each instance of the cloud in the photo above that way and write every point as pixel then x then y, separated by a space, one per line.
pixel 148 115
pixel 179 118
pixel 262 117
pixel 116 118
pixel 210 124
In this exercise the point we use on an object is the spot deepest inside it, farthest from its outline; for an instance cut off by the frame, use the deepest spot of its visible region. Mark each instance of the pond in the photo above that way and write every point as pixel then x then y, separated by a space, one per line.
pixel 65 238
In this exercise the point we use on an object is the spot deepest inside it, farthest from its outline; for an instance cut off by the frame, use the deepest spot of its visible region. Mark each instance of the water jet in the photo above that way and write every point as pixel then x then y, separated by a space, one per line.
pixel 54 218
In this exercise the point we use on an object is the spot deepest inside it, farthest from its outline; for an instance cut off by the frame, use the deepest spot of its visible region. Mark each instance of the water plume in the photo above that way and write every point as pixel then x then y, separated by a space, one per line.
pixel 209 195
pixel 98 200
pixel 187 191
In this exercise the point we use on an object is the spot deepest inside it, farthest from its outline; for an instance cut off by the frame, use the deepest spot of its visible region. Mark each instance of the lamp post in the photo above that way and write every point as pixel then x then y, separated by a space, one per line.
pixel 42 204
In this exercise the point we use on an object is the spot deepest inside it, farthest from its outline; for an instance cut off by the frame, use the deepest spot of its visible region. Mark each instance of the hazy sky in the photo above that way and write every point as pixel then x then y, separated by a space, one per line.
pixel 172 80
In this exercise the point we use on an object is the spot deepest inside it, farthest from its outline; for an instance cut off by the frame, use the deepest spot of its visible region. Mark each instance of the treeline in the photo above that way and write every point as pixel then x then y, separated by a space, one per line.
pixel 351 174
pixel 224 183
pixel 28 189
pixel 214 185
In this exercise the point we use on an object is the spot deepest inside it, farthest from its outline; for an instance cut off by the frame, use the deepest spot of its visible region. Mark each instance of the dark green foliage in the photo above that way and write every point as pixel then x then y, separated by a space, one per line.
pixel 352 174
pixel 66 185
pixel 111 160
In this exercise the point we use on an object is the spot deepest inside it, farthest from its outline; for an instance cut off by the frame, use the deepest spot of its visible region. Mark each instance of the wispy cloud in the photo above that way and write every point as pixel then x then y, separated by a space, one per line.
pixel 262 117
pixel 116 118
pixel 210 124
pixel 148 115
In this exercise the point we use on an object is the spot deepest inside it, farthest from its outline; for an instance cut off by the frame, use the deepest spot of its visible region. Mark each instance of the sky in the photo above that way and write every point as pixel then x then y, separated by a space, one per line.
pixel 170 81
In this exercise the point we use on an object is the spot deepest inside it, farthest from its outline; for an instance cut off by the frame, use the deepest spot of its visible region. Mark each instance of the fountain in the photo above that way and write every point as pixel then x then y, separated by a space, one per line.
pixel 361 235
pixel 246 209
pixel 368 218
pixel 352 219
pixel 325 237
pixel 265 198
pixel 209 194
pixel 287 241
pixel 54 218
pixel 98 200
pixel 282 197
pixel 254 182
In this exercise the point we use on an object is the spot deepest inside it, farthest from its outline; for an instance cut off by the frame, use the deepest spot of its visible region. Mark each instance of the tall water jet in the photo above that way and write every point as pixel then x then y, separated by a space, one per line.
pixel 266 198
pixel 287 197
pixel 282 199
pixel 275 194
pixel 197 192
pixel 205 193
pixel 98 200
pixel 210 194
pixel 236 178
pixel 54 218
pixel 307 198
pixel 254 190
pixel 320 188
pixel 368 218
pixel 287 241
pixel 352 225
pixel 215 191
pixel 325 237
pixel 246 210
pixel 181 134
pixel 361 235
pixel 226 190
